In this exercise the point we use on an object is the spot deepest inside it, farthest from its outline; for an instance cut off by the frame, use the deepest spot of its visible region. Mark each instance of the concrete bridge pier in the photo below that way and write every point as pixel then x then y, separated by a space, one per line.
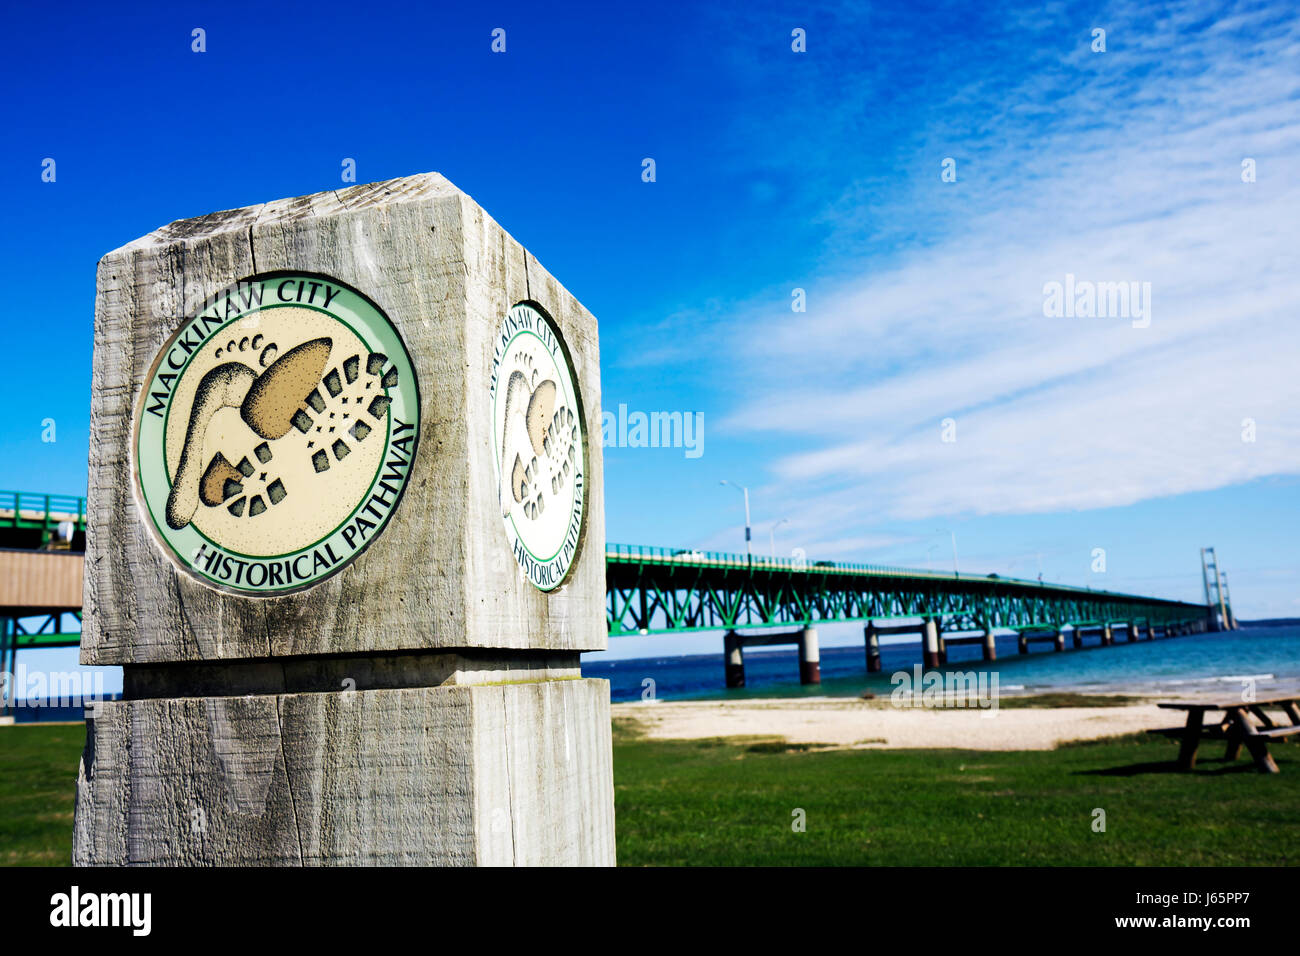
pixel 1076 637
pixel 733 652
pixel 930 643
pixel 1151 631
pixel 1028 635
pixel 990 645
pixel 943 643
pixel 872 637
pixel 1132 631
pixel 810 667
pixel 1107 636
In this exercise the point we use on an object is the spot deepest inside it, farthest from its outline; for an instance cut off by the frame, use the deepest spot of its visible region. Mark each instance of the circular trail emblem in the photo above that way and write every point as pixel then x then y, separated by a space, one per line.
pixel 538 445
pixel 275 433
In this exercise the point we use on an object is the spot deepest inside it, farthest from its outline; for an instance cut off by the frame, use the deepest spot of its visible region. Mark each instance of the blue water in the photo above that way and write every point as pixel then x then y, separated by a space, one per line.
pixel 38 712
pixel 1176 666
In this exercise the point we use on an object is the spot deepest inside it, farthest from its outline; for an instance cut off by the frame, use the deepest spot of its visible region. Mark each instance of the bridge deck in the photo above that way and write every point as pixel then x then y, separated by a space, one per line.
pixel 40 582
pixel 31 520
pixel 661 589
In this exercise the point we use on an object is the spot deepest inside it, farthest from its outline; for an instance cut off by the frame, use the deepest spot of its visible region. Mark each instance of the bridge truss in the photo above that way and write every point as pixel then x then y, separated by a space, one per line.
pixel 650 590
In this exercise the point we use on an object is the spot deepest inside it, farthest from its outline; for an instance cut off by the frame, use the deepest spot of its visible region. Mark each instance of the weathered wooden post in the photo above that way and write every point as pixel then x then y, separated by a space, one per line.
pixel 347 542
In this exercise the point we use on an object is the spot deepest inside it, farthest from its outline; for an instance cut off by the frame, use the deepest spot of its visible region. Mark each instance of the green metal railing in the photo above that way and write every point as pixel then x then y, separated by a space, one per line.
pixel 38 511
pixel 640 554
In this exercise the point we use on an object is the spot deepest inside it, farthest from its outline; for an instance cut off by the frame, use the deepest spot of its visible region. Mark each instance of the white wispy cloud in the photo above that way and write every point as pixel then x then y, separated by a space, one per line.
pixel 1118 166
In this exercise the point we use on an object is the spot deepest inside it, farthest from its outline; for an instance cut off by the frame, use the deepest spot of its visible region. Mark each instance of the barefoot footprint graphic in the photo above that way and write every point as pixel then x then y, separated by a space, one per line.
pixel 539 446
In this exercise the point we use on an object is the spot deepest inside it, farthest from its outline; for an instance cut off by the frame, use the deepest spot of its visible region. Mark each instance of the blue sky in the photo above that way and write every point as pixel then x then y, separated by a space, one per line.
pixel 776 170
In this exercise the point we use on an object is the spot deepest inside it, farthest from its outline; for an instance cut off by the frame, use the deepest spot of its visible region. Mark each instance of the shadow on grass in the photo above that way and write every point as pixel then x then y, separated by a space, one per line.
pixel 1171 766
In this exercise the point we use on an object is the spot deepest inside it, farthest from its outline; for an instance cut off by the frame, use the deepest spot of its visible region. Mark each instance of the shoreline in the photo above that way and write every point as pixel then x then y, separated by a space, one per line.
pixel 852 724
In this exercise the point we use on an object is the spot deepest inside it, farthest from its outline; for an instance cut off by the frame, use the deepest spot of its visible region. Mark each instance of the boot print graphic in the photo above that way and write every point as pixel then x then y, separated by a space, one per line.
pixel 293 407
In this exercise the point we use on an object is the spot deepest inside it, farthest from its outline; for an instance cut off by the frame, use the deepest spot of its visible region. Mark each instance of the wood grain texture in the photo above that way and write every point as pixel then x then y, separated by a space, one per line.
pixel 441 574
pixel 517 774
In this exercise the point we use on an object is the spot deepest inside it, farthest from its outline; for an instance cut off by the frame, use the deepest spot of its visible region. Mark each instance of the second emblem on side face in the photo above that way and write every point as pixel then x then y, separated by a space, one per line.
pixel 538 445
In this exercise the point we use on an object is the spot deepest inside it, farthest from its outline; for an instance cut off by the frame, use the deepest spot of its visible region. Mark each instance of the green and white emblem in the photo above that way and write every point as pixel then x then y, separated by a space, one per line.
pixel 538 445
pixel 275 433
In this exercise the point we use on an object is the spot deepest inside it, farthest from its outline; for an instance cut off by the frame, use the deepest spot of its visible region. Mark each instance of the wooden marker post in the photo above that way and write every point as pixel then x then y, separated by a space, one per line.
pixel 346 539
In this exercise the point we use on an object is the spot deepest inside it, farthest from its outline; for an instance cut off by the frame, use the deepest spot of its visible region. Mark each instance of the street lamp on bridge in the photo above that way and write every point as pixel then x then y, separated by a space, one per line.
pixel 771 535
pixel 746 493
pixel 953 535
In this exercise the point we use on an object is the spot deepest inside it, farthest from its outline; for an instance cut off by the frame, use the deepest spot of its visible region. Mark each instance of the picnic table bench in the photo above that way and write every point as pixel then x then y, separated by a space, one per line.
pixel 1236 727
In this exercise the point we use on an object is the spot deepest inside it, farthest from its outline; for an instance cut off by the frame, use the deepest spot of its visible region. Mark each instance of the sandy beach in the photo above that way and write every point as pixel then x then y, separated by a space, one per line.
pixel 848 723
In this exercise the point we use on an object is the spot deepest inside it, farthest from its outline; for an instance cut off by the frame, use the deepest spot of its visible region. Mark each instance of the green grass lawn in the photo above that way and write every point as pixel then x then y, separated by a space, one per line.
pixel 38 781
pixel 732 802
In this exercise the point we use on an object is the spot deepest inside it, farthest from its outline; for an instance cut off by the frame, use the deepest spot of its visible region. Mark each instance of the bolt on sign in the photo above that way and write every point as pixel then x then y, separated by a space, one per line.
pixel 275 433
pixel 539 445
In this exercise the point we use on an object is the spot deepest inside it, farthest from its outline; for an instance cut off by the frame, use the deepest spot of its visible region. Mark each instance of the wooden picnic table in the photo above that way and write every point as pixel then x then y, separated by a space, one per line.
pixel 1238 726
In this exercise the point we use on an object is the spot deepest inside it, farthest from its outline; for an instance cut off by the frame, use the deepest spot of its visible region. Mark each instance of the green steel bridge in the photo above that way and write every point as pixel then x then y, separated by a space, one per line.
pixel 32 520
pixel 651 590
pixel 661 590
pixel 41 540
